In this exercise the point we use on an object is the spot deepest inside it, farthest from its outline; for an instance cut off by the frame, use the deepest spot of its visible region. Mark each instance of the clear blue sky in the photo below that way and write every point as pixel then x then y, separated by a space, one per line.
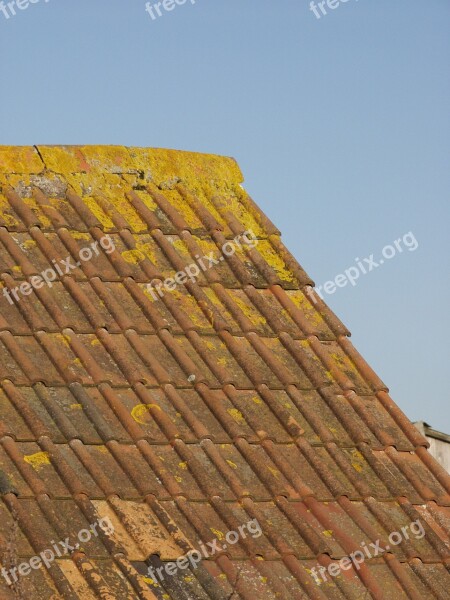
pixel 340 125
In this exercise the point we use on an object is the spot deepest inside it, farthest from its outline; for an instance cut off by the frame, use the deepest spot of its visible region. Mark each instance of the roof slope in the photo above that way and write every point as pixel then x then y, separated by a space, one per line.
pixel 234 397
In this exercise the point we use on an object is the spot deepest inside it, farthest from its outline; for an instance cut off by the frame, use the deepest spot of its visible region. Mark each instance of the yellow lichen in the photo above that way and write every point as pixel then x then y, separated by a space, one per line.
pixel 27 244
pixel 219 534
pixel 249 311
pixel 236 414
pixel 182 207
pixel 274 472
pixel 274 260
pixel 63 159
pixel 147 200
pixel 188 166
pixel 37 460
pixel 140 252
pixel 20 159
pixel 357 460
pixel 133 256
pixel 124 207
pixel 344 363
pixel 142 410
pixel 180 247
pixel 79 235
pixel 98 212
pixel 300 300
pixel 64 339
pixel 44 220
pixel 150 581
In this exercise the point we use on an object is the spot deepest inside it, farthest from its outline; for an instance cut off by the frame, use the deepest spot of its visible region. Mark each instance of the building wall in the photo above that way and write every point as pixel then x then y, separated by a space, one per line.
pixel 441 452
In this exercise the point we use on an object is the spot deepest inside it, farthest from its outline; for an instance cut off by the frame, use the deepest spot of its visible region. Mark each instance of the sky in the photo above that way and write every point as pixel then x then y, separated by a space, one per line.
pixel 340 125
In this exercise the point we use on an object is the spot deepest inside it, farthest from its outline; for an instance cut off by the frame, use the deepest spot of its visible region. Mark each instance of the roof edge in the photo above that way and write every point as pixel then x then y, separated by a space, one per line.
pixel 428 431
pixel 157 164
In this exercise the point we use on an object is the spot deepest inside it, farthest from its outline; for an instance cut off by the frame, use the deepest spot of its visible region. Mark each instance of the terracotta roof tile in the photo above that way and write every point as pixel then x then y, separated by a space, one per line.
pixel 233 397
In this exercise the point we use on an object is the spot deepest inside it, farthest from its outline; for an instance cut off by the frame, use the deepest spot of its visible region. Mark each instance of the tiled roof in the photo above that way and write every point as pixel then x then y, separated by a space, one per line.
pixel 232 398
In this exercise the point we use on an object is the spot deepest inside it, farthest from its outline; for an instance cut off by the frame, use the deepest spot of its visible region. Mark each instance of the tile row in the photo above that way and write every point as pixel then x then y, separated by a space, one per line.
pixel 162 414
pixel 183 360
pixel 202 471
pixel 116 306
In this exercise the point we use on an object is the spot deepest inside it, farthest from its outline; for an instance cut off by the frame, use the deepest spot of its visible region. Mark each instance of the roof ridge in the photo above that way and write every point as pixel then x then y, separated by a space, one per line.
pixel 156 164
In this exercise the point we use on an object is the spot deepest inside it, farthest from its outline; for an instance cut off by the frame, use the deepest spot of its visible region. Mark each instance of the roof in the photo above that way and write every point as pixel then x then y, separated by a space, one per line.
pixel 235 396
